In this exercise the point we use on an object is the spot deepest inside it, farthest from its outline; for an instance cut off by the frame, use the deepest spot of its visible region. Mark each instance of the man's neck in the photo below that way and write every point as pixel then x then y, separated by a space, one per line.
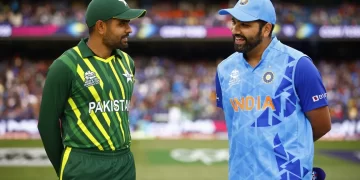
pixel 98 48
pixel 254 56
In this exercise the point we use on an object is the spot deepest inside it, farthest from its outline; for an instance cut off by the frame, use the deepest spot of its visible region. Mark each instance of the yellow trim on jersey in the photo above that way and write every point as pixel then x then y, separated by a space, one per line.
pixel 76 48
pixel 91 88
pixel 128 61
pixel 82 126
pixel 104 60
pixel 101 128
pixel 118 116
pixel 64 161
pixel 123 67
pixel 118 80
pixel 96 96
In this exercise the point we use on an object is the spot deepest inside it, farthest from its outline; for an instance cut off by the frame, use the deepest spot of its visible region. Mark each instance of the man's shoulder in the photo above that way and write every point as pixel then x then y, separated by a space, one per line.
pixel 123 54
pixel 69 55
pixel 66 60
pixel 290 51
pixel 230 59
pixel 126 57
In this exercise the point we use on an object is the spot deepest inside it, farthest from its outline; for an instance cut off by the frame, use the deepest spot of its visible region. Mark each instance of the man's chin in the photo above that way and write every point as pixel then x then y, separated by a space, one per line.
pixel 239 49
pixel 123 46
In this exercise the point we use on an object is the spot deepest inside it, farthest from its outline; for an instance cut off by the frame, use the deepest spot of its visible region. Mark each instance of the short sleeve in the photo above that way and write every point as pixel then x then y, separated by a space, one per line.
pixel 218 92
pixel 309 86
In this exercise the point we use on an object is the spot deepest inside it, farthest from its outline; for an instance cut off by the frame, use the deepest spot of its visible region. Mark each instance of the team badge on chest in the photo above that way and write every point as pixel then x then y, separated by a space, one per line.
pixel 268 77
pixel 128 76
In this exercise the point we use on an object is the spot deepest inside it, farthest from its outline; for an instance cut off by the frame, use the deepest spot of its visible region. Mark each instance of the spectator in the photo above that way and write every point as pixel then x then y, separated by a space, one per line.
pixel 175 13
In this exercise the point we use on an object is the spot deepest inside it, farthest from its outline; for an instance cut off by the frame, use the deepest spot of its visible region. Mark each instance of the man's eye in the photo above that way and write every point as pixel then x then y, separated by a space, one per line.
pixel 122 23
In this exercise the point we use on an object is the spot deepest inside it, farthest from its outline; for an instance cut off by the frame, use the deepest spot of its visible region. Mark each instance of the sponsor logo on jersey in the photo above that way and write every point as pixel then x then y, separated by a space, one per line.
pixel 319 97
pixel 249 103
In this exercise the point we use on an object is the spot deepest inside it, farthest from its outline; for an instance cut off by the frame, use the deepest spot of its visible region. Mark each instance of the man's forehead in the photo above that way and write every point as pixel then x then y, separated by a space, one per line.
pixel 121 20
pixel 233 18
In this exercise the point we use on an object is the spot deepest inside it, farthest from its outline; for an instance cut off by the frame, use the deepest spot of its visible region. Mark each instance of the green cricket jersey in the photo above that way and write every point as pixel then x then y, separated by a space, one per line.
pixel 91 97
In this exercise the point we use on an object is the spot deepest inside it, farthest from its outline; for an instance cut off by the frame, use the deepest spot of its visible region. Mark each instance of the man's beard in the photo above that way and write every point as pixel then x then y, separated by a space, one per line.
pixel 113 43
pixel 250 43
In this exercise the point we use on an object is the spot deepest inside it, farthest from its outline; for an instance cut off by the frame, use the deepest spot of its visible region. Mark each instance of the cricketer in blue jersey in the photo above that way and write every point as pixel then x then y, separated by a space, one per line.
pixel 273 98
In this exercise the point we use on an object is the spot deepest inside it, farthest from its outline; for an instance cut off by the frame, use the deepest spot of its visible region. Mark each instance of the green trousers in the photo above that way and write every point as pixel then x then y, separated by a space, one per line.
pixel 83 164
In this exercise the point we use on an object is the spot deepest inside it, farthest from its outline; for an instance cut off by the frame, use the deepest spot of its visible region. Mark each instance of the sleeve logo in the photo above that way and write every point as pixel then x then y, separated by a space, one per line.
pixel 318 97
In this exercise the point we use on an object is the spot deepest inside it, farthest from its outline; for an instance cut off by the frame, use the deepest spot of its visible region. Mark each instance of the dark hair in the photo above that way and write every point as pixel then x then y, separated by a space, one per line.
pixel 263 23
pixel 91 29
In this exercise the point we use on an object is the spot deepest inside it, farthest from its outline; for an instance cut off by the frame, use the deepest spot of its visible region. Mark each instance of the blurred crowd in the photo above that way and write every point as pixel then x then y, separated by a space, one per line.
pixel 21 83
pixel 171 12
pixel 342 82
pixel 168 89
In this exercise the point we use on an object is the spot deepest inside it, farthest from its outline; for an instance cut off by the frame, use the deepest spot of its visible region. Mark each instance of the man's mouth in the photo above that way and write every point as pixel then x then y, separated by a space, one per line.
pixel 239 40
pixel 124 38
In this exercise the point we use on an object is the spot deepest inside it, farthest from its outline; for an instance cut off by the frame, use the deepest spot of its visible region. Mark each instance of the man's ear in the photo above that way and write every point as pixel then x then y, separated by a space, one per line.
pixel 100 27
pixel 267 30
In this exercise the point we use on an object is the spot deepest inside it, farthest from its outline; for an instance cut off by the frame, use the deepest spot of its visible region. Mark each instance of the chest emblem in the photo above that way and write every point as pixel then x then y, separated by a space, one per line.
pixel 91 79
pixel 234 77
pixel 268 77
pixel 128 76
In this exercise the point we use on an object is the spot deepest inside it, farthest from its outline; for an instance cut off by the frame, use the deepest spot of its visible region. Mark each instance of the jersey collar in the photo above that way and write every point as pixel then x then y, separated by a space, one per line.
pixel 272 44
pixel 86 52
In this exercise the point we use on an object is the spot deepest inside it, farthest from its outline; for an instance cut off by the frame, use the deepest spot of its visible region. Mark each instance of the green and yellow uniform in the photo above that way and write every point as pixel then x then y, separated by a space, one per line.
pixel 96 112
pixel 91 98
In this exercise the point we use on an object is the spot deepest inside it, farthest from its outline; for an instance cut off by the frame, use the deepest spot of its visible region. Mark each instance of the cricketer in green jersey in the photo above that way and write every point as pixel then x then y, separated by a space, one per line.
pixel 89 88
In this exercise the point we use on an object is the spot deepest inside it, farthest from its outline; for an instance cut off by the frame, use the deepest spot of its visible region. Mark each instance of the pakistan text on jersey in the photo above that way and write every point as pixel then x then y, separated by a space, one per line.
pixel 109 106
pixel 248 103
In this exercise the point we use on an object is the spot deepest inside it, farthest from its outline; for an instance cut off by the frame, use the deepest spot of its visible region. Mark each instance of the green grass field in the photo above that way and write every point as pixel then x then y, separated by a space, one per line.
pixel 153 162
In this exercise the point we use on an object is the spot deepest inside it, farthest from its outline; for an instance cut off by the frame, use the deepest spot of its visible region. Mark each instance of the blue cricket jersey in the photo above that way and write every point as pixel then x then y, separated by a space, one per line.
pixel 269 134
